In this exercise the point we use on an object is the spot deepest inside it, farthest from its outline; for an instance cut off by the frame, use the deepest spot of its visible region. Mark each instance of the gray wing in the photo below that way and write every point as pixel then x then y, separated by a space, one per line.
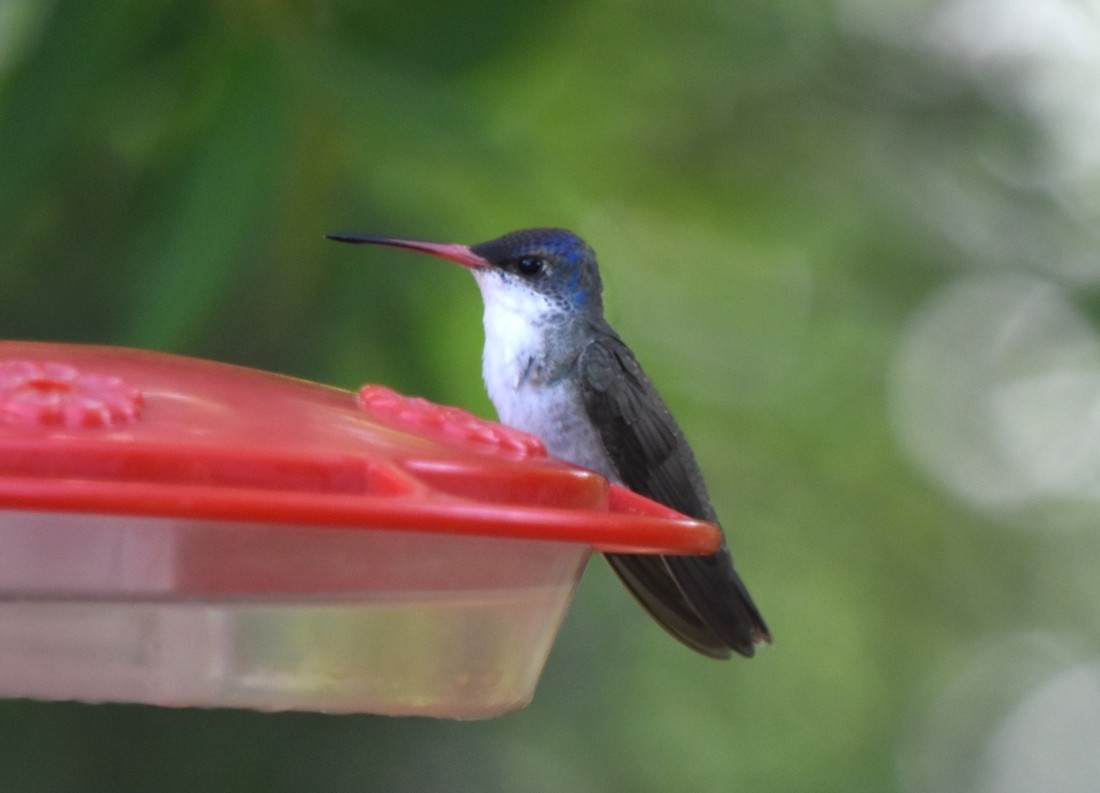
pixel 699 599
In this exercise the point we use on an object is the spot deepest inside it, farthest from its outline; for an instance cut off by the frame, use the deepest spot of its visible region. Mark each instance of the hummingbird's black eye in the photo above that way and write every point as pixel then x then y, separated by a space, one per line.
pixel 529 265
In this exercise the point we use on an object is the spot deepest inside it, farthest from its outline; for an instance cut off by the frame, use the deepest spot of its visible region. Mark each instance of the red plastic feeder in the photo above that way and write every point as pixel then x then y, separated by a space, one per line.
pixel 183 532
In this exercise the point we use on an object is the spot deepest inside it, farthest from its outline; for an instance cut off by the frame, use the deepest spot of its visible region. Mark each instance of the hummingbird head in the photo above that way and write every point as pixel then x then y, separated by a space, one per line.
pixel 551 273
pixel 552 264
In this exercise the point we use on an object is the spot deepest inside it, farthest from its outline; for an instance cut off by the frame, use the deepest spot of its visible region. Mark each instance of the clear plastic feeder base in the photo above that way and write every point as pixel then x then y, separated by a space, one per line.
pixel 131 610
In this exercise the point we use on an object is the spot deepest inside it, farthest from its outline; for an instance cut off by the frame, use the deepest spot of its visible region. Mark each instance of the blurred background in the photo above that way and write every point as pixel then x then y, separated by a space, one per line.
pixel 854 242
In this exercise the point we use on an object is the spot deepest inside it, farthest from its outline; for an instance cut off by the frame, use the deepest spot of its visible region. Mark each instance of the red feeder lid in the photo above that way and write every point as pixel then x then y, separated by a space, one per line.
pixel 106 430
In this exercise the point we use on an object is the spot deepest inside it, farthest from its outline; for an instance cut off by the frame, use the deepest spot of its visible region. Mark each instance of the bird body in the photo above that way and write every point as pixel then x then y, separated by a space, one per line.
pixel 529 365
pixel 555 368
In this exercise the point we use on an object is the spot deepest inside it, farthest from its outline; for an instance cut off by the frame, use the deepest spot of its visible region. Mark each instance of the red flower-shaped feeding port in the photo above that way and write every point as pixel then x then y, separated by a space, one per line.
pixel 50 394
pixel 449 424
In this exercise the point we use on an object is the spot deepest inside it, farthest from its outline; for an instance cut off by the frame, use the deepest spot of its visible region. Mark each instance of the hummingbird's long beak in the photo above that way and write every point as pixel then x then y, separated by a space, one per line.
pixel 452 251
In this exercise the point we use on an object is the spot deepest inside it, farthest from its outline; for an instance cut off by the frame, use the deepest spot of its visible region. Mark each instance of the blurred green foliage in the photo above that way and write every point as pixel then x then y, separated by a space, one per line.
pixel 775 190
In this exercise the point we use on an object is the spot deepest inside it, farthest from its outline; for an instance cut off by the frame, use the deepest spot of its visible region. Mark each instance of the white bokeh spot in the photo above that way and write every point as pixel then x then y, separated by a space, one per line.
pixel 996 392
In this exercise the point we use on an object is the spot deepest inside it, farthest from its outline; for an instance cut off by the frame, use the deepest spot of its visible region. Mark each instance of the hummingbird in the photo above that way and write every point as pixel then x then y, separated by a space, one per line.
pixel 555 368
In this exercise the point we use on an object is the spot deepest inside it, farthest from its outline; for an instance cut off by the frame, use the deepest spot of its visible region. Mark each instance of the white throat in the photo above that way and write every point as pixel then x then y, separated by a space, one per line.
pixel 515 334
